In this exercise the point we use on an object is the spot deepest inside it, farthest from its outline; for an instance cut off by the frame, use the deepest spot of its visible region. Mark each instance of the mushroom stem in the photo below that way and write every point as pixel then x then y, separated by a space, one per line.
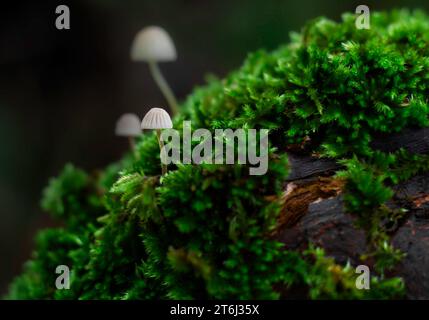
pixel 162 151
pixel 163 85
pixel 132 143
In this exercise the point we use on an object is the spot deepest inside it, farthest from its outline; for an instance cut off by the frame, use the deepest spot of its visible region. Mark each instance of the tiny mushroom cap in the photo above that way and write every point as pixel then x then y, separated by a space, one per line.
pixel 153 44
pixel 128 125
pixel 157 118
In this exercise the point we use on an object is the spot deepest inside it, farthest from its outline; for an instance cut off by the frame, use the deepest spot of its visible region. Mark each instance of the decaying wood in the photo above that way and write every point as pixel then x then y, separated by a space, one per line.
pixel 414 141
pixel 297 198
pixel 305 166
pixel 419 201
pixel 327 225
pixel 313 212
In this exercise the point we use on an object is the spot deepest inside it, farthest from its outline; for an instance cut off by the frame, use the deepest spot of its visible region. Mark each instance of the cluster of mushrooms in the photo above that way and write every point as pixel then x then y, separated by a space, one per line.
pixel 151 45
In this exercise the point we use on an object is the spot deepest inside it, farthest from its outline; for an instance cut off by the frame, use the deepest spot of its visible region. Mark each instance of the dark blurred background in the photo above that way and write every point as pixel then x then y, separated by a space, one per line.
pixel 61 91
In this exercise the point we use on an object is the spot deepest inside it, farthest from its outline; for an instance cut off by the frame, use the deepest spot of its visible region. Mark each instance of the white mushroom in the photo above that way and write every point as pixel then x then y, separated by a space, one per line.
pixel 158 119
pixel 153 45
pixel 128 125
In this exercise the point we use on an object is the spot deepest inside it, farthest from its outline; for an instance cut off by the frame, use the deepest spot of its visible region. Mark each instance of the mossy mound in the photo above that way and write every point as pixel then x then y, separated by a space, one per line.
pixel 205 231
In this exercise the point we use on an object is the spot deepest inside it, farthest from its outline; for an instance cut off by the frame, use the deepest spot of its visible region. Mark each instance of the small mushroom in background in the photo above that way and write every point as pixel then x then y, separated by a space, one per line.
pixel 128 125
pixel 153 45
pixel 158 119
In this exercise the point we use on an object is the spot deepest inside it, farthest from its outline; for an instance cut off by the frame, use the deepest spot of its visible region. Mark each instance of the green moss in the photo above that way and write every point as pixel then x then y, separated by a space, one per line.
pixel 203 231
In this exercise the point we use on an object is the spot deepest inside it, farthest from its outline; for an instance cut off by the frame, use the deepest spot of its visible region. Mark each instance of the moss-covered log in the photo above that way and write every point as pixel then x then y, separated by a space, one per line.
pixel 348 113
